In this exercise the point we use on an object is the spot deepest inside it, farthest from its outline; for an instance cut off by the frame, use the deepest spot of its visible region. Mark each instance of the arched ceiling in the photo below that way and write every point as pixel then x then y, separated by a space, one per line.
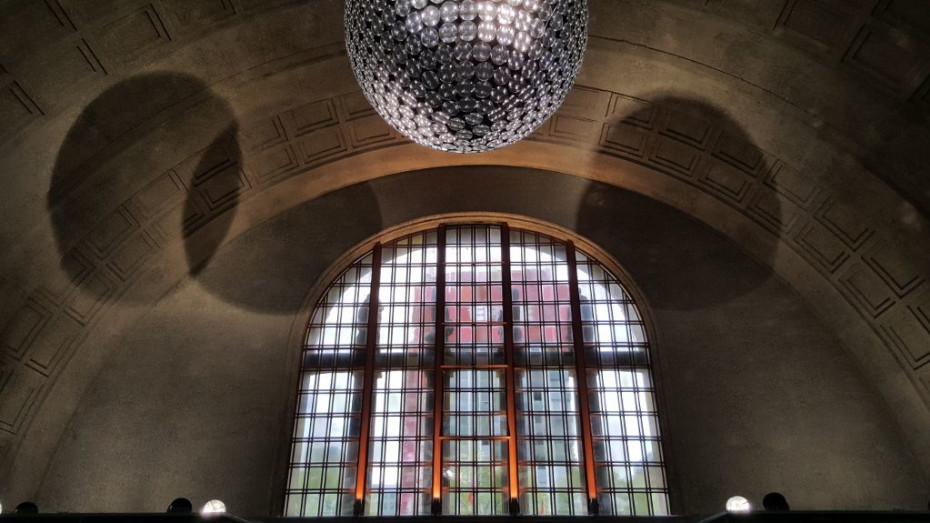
pixel 139 136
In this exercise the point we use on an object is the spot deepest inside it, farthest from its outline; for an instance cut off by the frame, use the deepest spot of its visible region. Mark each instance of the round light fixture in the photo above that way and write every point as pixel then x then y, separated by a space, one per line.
pixel 738 504
pixel 466 75
pixel 214 506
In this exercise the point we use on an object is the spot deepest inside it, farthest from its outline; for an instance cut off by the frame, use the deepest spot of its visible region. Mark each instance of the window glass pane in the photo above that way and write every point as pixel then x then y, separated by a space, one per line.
pixel 540 292
pixel 325 444
pixel 401 446
pixel 626 441
pixel 407 295
pixel 550 455
pixel 474 403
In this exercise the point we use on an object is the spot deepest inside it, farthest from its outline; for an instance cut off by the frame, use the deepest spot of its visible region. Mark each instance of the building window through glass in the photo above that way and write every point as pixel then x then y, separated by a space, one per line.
pixel 476 369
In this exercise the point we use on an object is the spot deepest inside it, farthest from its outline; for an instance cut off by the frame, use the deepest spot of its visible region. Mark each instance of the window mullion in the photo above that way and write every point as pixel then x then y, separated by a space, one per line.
pixel 438 358
pixel 368 386
pixel 510 382
pixel 587 442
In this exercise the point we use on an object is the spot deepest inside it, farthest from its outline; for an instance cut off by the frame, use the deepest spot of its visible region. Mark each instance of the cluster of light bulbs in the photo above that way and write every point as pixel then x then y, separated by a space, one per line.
pixel 466 75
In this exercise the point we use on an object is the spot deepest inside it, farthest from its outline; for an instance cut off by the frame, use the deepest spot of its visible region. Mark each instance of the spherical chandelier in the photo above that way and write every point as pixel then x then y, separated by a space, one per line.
pixel 466 75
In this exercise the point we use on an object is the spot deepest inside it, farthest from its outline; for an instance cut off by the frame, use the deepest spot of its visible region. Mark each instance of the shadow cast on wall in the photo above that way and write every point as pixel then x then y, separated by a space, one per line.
pixel 268 269
pixel 700 145
pixel 322 229
pixel 113 144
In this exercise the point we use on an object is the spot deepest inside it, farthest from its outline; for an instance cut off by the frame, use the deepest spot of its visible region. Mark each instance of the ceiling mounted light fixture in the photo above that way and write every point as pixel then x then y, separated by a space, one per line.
pixel 738 504
pixel 466 75
pixel 212 507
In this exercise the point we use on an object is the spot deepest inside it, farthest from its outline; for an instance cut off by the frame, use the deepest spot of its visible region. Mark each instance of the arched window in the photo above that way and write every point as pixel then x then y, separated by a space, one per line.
pixel 476 369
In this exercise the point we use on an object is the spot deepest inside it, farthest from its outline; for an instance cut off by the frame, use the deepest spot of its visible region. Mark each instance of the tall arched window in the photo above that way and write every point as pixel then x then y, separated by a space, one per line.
pixel 476 369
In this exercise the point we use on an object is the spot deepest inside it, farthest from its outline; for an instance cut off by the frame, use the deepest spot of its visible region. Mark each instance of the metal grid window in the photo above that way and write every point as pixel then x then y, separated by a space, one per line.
pixel 461 393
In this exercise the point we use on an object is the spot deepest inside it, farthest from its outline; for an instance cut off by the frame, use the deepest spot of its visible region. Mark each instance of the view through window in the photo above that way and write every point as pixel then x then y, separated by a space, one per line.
pixel 476 369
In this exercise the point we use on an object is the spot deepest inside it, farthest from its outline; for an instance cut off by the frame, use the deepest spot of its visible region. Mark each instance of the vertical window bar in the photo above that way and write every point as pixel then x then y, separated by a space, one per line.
pixel 509 359
pixel 582 373
pixel 367 394
pixel 438 359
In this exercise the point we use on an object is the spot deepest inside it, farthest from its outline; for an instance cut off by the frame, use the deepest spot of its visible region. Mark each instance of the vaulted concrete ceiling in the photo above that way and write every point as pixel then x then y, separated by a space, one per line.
pixel 136 137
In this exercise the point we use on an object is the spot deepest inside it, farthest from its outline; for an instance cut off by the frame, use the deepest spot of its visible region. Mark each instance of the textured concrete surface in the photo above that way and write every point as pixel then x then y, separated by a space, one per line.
pixel 150 150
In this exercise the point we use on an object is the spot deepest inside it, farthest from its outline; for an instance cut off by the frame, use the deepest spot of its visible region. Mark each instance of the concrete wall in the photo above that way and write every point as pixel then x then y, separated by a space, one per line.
pixel 757 394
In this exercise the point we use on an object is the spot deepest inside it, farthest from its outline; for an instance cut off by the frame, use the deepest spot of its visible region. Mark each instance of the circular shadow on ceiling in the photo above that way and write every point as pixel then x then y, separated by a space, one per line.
pixel 703 147
pixel 151 114
pixel 269 267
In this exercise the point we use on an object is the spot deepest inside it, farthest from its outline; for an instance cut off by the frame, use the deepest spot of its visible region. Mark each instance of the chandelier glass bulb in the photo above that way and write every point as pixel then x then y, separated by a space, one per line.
pixel 466 75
